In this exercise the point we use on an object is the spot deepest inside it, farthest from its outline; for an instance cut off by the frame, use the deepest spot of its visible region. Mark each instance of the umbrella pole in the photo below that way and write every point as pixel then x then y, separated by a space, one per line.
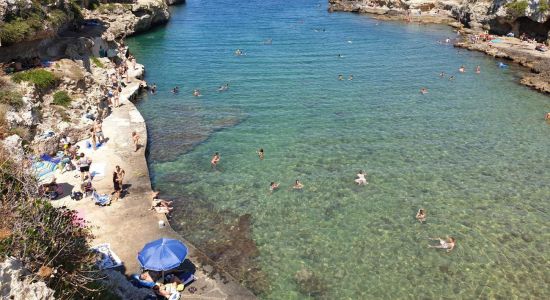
pixel 162 277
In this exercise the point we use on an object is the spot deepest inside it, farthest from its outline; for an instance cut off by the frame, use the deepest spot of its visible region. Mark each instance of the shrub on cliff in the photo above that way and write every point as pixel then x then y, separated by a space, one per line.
pixel 50 241
pixel 517 8
pixel 11 98
pixel 62 98
pixel 41 78
pixel 19 29
pixel 543 6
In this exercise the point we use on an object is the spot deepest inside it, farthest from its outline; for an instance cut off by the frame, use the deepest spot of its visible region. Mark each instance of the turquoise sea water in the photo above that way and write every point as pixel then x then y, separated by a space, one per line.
pixel 474 152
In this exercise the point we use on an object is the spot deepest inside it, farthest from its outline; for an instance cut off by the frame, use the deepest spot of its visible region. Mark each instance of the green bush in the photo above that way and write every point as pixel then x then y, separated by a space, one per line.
pixel 58 17
pixel 61 98
pixel 517 8
pixel 47 239
pixel 97 62
pixel 11 98
pixel 20 29
pixel 543 6
pixel 41 78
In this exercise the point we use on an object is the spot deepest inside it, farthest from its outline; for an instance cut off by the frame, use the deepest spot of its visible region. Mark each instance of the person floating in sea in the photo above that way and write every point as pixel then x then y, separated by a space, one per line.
pixel 442 74
pixel 224 87
pixel 197 93
pixel 361 180
pixel 452 78
pixel 215 160
pixel 239 52
pixel 340 77
pixel 340 56
pixel 447 244
pixel 421 215
pixel 423 91
pixel 547 116
pixel 273 186
pixel 478 69
pixel 350 77
pixel 298 185
pixel 154 88
pixel 175 90
pixel 462 69
pixel 447 40
pixel 260 153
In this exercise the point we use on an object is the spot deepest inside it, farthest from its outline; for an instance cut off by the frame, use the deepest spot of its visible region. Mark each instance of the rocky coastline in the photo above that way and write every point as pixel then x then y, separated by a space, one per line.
pixel 81 62
pixel 471 19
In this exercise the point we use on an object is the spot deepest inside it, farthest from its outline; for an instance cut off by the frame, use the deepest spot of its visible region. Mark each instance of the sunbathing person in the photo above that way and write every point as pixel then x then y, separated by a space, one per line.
pixel 159 205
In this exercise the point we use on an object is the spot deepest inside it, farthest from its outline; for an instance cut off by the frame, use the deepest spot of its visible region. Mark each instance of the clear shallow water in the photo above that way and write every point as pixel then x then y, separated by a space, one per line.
pixel 473 151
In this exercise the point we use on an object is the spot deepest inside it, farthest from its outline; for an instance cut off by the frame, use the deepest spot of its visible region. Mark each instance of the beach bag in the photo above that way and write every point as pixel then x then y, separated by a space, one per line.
pixel 77 196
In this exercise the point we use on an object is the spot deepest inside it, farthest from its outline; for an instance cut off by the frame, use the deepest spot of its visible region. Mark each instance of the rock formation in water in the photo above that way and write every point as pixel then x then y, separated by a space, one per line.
pixel 497 16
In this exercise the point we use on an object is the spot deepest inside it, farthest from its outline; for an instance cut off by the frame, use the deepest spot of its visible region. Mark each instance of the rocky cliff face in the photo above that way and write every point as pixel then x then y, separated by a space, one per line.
pixel 499 16
pixel 14 284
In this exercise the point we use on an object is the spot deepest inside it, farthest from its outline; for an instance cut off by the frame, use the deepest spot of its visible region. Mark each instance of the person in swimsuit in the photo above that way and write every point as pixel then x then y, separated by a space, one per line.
pixel 273 186
pixel 261 153
pixel 421 215
pixel 215 160
pixel 478 69
pixel 98 127
pixel 447 244
pixel 93 138
pixel 547 116
pixel 298 185
pixel 135 140
pixel 84 165
pixel 361 180
pixel 462 69
pixel 197 93
pixel 442 74
pixel 340 77
pixel 423 91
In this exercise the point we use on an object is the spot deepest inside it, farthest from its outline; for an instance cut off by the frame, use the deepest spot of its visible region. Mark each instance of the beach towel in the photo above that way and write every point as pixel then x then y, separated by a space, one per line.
pixel 107 258
pixel 44 170
pixel 101 200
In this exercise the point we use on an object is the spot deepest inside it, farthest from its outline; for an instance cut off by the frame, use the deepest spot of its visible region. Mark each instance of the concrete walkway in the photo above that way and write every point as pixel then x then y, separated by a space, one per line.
pixel 128 224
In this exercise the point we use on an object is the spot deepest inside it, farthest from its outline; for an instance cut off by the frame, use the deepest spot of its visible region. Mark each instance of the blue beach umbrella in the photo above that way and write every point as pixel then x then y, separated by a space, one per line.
pixel 162 255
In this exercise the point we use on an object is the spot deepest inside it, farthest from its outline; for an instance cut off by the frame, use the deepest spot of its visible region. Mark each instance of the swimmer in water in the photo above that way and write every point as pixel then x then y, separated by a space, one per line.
pixel 215 160
pixel 223 87
pixel 273 186
pixel 154 89
pixel 260 153
pixel 238 52
pixel 175 90
pixel 361 180
pixel 298 185
pixel 421 215
pixel 197 93
pixel 452 78
pixel 442 74
pixel 340 77
pixel 547 116
pixel 478 69
pixel 423 91
pixel 447 244
pixel 350 77
pixel 462 69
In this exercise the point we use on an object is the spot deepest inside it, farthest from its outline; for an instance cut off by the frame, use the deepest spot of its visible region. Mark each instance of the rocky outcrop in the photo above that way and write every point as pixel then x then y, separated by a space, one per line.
pixel 124 19
pixel 498 16
pixel 15 285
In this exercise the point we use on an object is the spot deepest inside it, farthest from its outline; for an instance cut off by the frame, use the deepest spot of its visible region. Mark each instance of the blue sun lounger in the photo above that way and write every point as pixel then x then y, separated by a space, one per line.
pixel 101 200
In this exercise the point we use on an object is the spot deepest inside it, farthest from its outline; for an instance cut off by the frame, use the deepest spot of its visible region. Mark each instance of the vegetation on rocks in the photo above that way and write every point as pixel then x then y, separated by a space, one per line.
pixel 517 8
pixel 51 242
pixel 62 98
pixel 41 78
pixel 543 6
pixel 23 24
pixel 11 98
pixel 97 62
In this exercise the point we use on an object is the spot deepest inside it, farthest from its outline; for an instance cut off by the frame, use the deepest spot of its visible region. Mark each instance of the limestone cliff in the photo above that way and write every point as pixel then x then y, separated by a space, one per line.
pixel 498 16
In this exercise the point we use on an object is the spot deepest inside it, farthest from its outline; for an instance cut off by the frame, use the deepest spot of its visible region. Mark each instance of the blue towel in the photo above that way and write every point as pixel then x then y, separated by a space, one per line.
pixel 101 199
